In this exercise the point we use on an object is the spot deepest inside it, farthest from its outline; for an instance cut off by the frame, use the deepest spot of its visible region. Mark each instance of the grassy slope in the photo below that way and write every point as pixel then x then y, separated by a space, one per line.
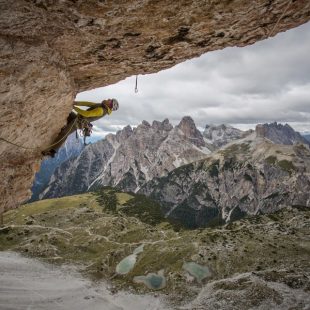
pixel 78 229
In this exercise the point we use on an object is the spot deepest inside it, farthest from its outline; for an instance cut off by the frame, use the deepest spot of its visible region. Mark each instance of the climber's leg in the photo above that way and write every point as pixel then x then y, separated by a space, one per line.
pixel 62 136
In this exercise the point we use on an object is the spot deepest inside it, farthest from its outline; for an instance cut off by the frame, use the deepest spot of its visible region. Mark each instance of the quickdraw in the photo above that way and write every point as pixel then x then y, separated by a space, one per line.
pixel 86 128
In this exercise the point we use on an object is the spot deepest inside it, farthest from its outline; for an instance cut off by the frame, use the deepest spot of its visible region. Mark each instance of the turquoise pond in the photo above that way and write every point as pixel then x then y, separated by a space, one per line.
pixel 127 264
pixel 199 272
pixel 152 280
pixel 139 249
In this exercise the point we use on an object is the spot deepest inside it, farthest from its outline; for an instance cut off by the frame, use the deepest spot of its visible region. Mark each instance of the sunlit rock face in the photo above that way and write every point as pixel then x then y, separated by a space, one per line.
pixel 50 50
pixel 36 94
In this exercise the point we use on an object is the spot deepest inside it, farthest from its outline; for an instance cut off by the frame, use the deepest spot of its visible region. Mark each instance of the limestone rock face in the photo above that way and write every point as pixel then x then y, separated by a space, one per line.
pixel 188 127
pixel 36 96
pixel 50 50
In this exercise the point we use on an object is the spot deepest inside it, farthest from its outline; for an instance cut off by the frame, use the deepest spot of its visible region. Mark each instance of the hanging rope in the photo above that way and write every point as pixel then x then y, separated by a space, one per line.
pixel 275 26
pixel 20 146
pixel 136 87
pixel 38 148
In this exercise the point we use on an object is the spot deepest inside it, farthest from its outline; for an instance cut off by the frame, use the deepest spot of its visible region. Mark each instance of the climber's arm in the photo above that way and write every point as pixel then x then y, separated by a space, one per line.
pixel 85 103
pixel 90 113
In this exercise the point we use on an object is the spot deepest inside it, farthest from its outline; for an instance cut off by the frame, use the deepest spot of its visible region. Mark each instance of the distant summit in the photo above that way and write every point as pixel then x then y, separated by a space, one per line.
pixel 279 134
pixel 188 127
pixel 219 135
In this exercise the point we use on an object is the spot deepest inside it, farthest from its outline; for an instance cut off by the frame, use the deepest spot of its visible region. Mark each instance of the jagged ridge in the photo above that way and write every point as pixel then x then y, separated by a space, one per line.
pixel 130 158
pixel 250 176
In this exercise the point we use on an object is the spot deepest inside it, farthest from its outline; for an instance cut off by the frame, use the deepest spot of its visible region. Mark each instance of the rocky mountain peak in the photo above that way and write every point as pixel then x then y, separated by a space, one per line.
pixel 145 123
pixel 164 125
pixel 166 121
pixel 141 128
pixel 187 122
pixel 146 128
pixel 222 134
pixel 279 133
pixel 189 129
pixel 125 133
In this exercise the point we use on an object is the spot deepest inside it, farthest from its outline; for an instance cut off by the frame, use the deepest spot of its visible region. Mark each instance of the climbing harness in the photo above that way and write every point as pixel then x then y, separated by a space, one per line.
pixel 136 86
pixel 86 128
pixel 276 24
pixel 87 131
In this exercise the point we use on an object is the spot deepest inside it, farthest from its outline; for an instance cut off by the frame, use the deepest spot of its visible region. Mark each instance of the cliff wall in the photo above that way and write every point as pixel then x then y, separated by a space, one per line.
pixel 52 49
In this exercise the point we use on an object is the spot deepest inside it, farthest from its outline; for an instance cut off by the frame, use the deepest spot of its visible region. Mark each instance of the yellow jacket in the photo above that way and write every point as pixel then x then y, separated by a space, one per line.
pixel 95 110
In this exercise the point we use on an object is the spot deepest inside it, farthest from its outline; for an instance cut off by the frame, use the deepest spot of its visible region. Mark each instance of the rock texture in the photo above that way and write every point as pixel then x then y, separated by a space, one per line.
pixel 50 50
pixel 130 158
pixel 250 176
pixel 271 289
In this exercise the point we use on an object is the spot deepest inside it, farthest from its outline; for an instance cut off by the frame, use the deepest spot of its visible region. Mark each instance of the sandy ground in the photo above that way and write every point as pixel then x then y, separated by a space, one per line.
pixel 29 284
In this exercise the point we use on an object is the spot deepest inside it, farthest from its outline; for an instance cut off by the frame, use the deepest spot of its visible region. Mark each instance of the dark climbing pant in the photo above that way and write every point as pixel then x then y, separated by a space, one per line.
pixel 64 133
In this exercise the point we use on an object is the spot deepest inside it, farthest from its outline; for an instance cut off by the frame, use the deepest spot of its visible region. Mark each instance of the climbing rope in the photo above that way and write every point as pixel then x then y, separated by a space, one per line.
pixel 276 24
pixel 136 87
pixel 20 146
pixel 38 148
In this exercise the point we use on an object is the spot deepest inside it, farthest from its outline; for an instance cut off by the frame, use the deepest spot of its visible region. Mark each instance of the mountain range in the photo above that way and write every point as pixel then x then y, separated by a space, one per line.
pixel 200 179
pixel 130 158
pixel 248 177
pixel 280 134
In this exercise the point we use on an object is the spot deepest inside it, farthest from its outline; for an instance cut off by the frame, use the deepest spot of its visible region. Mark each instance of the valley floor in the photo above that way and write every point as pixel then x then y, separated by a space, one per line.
pixel 259 262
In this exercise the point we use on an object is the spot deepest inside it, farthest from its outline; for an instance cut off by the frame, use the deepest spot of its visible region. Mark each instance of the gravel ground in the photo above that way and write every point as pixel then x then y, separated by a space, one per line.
pixel 29 284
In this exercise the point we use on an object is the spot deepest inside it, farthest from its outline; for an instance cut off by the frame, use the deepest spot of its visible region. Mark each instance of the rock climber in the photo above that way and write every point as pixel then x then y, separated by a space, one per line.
pixel 82 120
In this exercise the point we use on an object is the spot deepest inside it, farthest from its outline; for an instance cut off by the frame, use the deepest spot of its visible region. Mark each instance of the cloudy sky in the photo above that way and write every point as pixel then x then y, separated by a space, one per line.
pixel 265 82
